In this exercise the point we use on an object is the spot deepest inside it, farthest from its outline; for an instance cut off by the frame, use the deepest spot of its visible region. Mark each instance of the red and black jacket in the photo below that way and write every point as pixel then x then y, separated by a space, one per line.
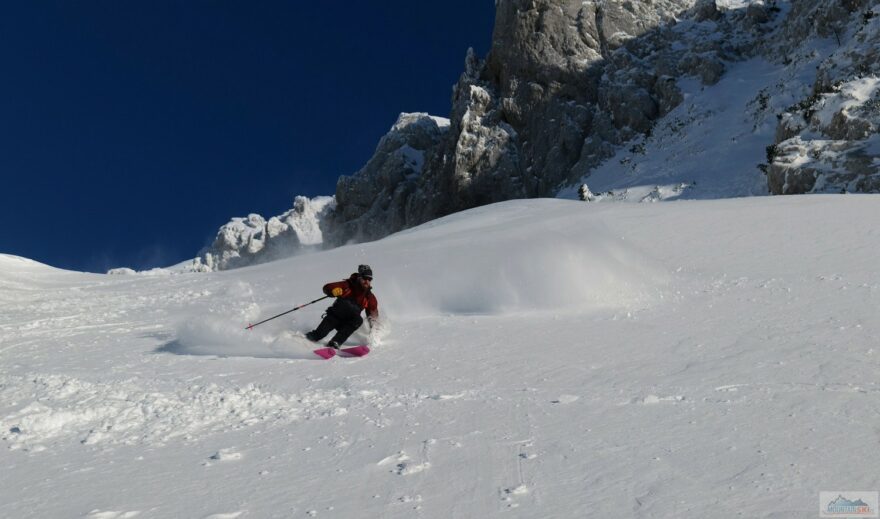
pixel 353 291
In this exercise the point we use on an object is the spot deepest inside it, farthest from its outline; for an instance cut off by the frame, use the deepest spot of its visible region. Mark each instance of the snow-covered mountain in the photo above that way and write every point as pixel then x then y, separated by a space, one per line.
pixel 771 124
pixel 540 358
pixel 546 357
pixel 325 221
pixel 624 101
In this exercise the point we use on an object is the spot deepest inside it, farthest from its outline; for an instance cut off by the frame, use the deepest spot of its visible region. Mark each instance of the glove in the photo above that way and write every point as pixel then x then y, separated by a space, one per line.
pixel 336 292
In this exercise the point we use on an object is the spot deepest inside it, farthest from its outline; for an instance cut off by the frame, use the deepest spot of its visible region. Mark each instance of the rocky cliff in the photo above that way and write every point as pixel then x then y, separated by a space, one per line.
pixel 564 85
pixel 828 140
pixel 645 100
pixel 253 239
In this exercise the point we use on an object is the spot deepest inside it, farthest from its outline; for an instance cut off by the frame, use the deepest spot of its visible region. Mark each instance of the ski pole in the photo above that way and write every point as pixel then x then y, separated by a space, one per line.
pixel 251 326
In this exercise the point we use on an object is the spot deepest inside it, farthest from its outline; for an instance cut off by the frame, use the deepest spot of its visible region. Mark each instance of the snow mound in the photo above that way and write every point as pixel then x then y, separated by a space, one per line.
pixel 26 274
pixel 10 264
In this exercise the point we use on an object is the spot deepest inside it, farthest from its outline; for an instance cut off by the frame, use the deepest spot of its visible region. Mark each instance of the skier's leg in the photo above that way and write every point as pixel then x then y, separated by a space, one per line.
pixel 327 325
pixel 346 328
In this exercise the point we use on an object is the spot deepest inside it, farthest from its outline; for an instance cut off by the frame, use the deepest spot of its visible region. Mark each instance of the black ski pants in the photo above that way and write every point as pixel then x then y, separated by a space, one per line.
pixel 344 317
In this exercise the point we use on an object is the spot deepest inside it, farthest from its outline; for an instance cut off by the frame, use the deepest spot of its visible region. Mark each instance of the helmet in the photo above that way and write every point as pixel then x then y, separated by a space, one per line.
pixel 365 271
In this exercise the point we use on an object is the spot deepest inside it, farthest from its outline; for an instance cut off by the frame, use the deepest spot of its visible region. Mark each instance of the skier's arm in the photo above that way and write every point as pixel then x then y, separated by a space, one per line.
pixel 337 289
pixel 372 310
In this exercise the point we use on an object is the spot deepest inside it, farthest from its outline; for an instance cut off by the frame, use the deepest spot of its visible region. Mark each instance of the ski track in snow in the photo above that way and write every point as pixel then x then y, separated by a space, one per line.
pixel 64 409
pixel 98 514
pixel 124 412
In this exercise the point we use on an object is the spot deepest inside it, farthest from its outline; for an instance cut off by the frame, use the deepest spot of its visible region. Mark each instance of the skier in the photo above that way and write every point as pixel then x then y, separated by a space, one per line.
pixel 353 295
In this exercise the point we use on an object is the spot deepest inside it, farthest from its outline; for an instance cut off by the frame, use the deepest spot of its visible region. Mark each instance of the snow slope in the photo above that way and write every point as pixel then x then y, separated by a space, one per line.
pixel 539 358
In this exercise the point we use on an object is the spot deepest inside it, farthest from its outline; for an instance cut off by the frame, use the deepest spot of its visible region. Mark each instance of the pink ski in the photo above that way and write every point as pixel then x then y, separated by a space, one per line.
pixel 325 353
pixel 357 351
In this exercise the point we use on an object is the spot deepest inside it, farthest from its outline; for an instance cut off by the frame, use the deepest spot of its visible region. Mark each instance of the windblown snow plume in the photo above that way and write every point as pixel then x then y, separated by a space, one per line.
pixel 231 336
pixel 484 269
pixel 218 337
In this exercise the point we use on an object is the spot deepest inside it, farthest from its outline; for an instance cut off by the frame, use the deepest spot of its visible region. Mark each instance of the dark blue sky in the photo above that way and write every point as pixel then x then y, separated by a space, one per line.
pixel 130 131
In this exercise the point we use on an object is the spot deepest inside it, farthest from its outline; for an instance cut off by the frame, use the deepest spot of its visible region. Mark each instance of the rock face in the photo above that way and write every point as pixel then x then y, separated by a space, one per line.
pixel 567 83
pixel 375 198
pixel 540 104
pixel 828 141
pixel 251 240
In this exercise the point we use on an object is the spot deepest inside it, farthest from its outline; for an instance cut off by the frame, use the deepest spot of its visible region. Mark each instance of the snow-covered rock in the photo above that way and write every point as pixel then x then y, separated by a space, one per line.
pixel 565 85
pixel 121 271
pixel 519 118
pixel 373 202
pixel 827 140
pixel 251 240
pixel 574 90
